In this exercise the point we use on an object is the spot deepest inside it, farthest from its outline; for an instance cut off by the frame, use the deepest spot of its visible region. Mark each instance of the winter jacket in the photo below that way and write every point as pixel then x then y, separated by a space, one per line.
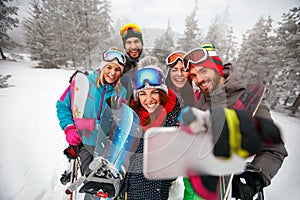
pixel 270 158
pixel 93 111
pixel 135 185
pixel 128 72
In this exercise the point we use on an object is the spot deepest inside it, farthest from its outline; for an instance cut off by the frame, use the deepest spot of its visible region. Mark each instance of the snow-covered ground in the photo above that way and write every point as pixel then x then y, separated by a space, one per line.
pixel 31 141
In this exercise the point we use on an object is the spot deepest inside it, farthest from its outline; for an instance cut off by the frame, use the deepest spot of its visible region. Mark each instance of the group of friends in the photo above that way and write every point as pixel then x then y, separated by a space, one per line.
pixel 197 78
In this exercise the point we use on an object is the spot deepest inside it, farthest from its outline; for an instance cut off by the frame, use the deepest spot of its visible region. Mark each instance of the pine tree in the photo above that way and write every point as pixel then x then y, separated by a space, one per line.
pixel 287 51
pixel 192 33
pixel 64 32
pixel 104 31
pixel 38 35
pixel 95 28
pixel 53 54
pixel 255 50
pixel 7 22
pixel 221 35
pixel 164 44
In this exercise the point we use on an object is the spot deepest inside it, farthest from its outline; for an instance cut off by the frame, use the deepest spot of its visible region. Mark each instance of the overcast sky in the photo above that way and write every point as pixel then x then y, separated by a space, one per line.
pixel 156 13
pixel 243 13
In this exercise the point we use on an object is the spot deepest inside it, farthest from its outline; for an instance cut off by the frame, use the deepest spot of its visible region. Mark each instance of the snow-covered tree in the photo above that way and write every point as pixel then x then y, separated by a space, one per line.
pixel 73 31
pixel 8 21
pixel 192 32
pixel 116 38
pixel 164 44
pixel 254 54
pixel 104 31
pixel 221 34
pixel 287 51
pixel 38 35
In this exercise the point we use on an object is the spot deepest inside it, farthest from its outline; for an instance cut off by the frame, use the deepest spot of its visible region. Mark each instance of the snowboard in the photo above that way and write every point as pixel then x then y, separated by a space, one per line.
pixel 118 138
pixel 79 90
pixel 79 93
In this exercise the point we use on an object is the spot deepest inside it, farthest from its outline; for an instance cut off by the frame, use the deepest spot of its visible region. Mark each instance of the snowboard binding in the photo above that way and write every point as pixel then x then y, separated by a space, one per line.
pixel 104 180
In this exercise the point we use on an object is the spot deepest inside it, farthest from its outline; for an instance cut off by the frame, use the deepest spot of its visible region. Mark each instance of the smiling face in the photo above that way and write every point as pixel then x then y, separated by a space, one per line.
pixel 112 73
pixel 206 79
pixel 133 47
pixel 149 99
pixel 178 76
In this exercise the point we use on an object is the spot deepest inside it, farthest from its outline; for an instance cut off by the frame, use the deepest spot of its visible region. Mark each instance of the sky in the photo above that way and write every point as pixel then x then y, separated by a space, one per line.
pixel 156 13
pixel 32 143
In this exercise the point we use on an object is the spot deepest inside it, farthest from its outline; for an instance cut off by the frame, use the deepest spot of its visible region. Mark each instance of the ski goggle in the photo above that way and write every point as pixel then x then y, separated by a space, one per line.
pixel 174 57
pixel 110 55
pixel 195 56
pixel 150 75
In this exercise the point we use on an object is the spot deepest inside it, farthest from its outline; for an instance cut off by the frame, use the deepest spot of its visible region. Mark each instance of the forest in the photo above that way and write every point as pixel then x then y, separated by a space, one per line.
pixel 71 35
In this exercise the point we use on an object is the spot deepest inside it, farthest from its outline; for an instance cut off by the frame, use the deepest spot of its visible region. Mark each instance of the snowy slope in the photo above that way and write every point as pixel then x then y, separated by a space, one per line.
pixel 31 141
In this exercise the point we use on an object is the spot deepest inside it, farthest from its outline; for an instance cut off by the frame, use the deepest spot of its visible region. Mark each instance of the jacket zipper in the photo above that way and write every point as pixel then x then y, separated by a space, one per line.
pixel 101 103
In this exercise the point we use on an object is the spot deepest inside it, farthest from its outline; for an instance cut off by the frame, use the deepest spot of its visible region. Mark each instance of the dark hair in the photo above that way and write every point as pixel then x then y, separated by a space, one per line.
pixel 186 92
pixel 137 106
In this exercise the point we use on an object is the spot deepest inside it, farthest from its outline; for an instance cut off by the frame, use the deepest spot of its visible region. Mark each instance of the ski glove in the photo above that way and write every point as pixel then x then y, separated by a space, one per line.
pixel 115 102
pixel 246 185
pixel 234 131
pixel 72 152
pixel 72 135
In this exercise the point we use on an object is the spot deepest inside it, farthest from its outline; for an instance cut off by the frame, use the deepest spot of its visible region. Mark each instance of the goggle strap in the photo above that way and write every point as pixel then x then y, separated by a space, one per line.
pixel 118 56
pixel 175 62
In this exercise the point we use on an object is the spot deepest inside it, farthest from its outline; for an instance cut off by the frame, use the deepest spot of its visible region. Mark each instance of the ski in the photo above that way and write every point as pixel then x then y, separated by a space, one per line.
pixel 70 176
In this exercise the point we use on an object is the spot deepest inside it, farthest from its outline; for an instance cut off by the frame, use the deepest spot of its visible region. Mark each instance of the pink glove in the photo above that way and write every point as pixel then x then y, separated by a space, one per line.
pixel 72 136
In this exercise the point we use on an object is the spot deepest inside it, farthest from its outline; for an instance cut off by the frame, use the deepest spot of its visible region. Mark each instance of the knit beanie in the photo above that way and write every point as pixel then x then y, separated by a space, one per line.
pixel 215 62
pixel 162 86
pixel 103 63
pixel 131 30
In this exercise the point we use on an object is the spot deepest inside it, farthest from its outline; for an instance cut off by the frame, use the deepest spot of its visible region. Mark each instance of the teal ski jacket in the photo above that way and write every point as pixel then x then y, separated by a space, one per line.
pixel 93 111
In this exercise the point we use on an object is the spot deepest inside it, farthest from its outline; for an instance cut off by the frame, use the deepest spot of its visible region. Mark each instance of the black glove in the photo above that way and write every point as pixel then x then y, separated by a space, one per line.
pixel 235 131
pixel 72 151
pixel 115 102
pixel 246 185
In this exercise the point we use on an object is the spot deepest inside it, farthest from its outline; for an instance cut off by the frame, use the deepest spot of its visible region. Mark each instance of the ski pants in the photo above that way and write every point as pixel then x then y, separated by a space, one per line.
pixel 86 156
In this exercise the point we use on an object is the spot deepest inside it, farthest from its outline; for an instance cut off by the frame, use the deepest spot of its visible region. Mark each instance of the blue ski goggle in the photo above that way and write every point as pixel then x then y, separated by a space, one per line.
pixel 152 76
pixel 110 55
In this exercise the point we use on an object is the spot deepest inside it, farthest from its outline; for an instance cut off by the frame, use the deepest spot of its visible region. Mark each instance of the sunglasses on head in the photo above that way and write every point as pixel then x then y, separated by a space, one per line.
pixel 195 56
pixel 110 55
pixel 174 57
pixel 150 75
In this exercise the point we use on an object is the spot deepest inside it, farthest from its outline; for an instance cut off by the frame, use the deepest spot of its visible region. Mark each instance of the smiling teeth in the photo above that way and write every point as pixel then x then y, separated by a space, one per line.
pixel 204 84
pixel 180 79
pixel 151 105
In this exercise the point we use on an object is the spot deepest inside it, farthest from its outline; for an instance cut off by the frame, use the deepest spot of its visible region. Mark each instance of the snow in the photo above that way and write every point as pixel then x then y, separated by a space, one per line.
pixel 31 141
